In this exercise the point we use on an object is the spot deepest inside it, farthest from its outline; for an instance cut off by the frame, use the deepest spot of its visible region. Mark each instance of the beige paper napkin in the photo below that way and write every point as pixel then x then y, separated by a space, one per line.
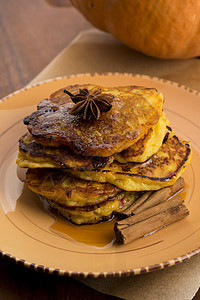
pixel 95 51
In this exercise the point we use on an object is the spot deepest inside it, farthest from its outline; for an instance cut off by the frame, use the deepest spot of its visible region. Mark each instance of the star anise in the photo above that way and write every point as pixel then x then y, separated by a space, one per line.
pixel 90 103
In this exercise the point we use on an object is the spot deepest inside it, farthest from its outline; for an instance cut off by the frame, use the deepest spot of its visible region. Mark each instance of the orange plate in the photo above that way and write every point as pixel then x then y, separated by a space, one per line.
pixel 29 234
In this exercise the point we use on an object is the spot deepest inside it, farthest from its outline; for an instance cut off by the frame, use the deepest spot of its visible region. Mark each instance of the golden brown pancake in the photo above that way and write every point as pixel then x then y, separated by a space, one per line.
pixel 134 110
pixel 78 200
pixel 95 213
pixel 34 155
pixel 67 190
pixel 146 146
pixel 160 170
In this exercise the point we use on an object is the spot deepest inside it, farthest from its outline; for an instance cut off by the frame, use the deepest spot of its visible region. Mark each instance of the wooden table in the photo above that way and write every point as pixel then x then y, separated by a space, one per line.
pixel 32 33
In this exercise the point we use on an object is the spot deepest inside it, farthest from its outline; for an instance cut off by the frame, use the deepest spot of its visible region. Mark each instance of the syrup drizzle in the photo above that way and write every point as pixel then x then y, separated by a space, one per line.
pixel 99 235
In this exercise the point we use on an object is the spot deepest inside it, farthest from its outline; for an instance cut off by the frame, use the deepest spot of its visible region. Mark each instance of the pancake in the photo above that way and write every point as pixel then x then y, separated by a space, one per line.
pixel 34 155
pixel 96 213
pixel 160 170
pixel 147 145
pixel 134 111
pixel 78 200
pixel 67 190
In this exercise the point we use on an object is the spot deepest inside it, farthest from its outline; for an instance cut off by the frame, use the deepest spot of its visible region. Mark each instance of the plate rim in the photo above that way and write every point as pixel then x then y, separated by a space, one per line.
pixel 57 78
pixel 105 274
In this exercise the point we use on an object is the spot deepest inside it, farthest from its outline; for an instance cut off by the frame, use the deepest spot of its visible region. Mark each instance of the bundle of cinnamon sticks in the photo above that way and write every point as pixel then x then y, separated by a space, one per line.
pixel 151 212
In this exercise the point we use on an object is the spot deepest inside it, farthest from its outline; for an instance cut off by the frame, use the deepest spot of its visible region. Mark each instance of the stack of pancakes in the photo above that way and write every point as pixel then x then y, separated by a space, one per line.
pixel 90 170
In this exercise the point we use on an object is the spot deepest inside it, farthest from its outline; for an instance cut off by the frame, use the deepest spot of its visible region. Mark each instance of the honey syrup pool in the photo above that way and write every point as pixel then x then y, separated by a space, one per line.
pixel 100 235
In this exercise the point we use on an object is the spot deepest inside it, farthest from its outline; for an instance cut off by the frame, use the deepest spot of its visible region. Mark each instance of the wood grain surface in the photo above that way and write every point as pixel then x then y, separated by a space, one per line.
pixel 32 33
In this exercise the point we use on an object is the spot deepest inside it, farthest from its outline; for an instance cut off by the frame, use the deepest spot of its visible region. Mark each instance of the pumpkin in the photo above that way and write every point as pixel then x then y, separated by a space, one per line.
pixel 159 28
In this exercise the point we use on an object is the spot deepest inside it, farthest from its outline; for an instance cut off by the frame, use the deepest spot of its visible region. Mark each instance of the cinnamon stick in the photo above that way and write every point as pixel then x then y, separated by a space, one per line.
pixel 149 212
pixel 150 220
pixel 150 199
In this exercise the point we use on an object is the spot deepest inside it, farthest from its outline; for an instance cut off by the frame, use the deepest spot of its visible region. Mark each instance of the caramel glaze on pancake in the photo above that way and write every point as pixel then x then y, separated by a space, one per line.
pixel 134 110
pixel 32 154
